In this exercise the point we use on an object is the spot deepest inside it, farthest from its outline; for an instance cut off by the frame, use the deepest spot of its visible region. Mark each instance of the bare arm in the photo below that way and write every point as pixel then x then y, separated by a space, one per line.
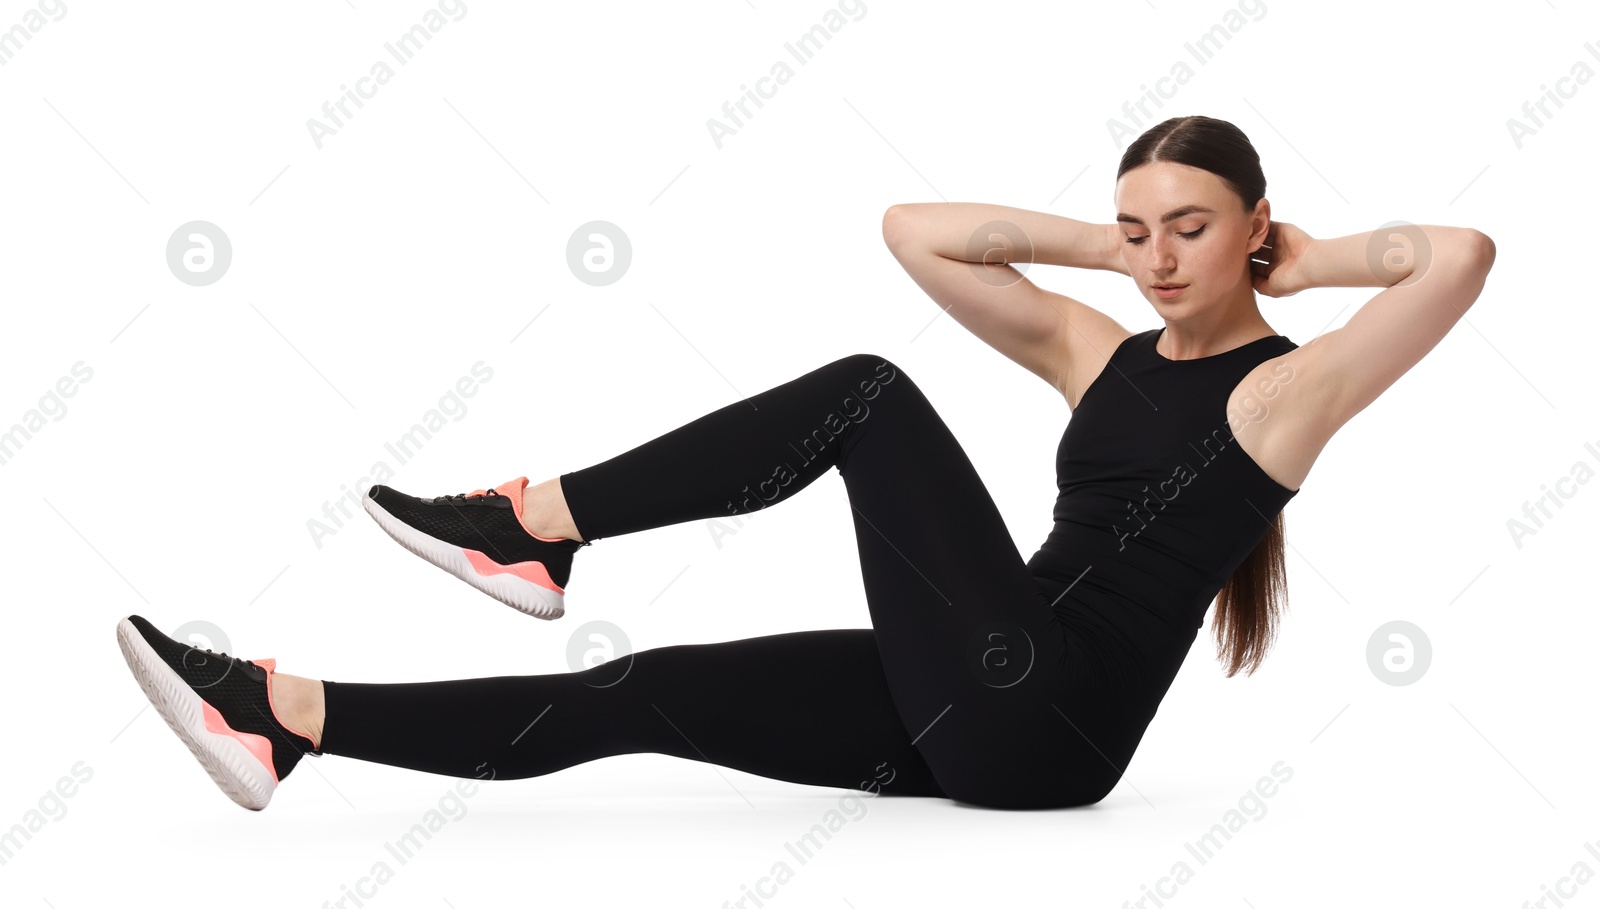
pixel 961 255
pixel 951 229
pixel 1433 275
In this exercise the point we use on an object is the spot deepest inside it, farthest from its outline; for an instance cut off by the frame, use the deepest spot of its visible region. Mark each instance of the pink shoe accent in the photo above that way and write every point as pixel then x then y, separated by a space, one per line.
pixel 512 489
pixel 532 572
pixel 271 665
pixel 258 745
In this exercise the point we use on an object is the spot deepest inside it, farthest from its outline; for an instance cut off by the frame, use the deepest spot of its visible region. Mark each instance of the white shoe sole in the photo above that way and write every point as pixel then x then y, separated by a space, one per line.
pixel 232 766
pixel 518 593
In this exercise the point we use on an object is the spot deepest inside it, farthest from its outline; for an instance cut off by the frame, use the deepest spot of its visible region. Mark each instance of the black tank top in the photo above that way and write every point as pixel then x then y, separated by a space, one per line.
pixel 1157 505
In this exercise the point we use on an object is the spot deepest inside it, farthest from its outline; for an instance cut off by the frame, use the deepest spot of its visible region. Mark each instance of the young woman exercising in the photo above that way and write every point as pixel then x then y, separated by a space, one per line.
pixel 984 678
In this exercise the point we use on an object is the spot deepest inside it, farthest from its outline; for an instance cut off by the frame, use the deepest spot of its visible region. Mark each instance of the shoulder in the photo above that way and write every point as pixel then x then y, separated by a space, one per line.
pixel 1090 346
pixel 1278 415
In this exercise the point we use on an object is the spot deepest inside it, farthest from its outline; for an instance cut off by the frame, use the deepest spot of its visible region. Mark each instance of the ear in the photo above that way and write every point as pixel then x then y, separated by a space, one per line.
pixel 1260 224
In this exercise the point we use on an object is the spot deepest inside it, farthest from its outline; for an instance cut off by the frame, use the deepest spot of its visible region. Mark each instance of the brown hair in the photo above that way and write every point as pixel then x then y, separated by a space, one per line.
pixel 1252 600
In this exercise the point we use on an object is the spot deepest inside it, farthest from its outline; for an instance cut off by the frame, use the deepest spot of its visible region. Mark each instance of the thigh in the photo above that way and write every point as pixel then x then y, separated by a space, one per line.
pixel 971 648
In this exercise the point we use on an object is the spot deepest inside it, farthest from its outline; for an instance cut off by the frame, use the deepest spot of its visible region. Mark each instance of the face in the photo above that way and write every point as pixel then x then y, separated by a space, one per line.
pixel 1205 245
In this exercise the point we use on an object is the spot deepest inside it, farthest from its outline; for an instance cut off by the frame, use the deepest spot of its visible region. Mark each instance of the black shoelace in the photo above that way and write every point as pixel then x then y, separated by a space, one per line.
pixel 461 498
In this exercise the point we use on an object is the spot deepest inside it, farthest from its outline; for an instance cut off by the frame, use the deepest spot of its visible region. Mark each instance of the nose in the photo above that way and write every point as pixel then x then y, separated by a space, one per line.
pixel 1160 257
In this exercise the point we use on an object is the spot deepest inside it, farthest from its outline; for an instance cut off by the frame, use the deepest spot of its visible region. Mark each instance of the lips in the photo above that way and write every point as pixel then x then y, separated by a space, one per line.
pixel 1168 286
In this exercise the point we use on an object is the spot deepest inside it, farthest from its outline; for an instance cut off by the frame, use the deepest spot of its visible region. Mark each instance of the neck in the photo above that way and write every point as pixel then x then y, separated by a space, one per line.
pixel 1213 331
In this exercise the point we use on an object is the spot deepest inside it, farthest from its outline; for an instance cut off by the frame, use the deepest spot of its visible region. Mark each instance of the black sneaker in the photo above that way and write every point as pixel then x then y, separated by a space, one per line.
pixel 220 706
pixel 479 537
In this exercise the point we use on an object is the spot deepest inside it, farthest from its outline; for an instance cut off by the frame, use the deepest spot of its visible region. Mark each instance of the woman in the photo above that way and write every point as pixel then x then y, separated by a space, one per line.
pixel 984 678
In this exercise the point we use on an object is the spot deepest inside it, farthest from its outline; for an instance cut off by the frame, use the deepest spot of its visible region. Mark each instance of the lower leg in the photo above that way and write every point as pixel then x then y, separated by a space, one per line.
pixel 808 707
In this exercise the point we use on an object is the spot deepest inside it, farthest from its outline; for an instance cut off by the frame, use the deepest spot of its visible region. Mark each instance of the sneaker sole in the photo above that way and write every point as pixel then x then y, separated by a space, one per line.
pixel 232 766
pixel 518 593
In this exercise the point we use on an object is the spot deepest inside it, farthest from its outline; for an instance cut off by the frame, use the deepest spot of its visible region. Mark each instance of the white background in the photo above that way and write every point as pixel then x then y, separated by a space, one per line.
pixel 428 232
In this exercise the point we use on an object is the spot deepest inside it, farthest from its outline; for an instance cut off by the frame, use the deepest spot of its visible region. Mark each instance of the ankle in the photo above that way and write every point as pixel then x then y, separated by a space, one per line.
pixel 545 513
pixel 298 704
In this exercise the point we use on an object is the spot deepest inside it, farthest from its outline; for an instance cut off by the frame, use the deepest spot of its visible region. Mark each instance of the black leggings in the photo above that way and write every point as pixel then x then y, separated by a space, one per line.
pixel 959 689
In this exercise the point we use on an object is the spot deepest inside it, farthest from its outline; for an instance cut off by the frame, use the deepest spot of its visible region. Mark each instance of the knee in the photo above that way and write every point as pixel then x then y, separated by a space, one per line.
pixel 869 372
pixel 871 361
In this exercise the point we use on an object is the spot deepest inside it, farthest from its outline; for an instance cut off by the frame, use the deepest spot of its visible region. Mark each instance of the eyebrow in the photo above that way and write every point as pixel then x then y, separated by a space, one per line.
pixel 1173 215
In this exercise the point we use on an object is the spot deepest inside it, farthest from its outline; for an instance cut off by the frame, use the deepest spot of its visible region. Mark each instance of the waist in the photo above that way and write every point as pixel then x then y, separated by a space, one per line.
pixel 1172 574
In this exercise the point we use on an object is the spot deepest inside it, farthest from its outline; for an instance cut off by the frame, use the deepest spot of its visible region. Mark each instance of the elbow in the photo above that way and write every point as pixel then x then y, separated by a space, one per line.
pixel 1485 248
pixel 1464 255
pixel 895 227
pixel 891 215
pixel 1479 249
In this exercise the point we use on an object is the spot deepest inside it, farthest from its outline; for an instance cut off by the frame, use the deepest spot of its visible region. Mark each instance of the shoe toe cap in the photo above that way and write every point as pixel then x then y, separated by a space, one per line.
pixel 387 495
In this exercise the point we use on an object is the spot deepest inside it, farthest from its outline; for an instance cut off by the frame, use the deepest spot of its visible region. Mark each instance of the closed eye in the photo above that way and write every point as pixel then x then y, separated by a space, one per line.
pixel 1190 235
